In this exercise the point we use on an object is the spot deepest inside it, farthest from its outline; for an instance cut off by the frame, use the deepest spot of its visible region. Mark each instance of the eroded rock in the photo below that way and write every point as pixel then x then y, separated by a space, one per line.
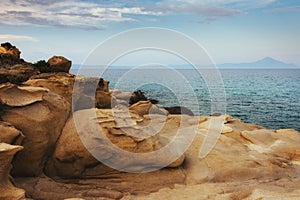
pixel 60 83
pixel 7 190
pixel 15 96
pixel 146 107
pixel 40 115
pixel 9 134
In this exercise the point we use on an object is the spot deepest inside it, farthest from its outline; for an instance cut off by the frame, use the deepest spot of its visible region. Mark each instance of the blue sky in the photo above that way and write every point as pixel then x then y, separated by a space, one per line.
pixel 229 30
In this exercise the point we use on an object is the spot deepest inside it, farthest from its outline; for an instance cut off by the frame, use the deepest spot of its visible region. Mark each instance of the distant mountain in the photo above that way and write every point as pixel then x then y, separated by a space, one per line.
pixel 266 63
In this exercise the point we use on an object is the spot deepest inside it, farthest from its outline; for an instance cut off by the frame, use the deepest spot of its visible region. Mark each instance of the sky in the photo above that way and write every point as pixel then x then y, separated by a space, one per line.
pixel 231 31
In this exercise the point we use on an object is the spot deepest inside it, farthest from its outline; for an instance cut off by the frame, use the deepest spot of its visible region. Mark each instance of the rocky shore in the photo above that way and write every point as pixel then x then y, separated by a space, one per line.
pixel 42 154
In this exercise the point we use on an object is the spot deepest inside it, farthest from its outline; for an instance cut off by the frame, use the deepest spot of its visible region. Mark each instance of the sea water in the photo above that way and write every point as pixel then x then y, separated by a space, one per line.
pixel 266 97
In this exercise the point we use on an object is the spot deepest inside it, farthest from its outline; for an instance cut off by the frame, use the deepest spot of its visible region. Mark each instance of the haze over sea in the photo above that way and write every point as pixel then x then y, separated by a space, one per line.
pixel 266 97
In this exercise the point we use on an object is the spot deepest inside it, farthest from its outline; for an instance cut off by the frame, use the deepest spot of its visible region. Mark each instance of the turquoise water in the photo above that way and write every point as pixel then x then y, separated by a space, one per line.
pixel 270 98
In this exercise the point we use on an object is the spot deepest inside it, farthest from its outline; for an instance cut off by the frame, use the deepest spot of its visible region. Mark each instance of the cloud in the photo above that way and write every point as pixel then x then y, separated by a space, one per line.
pixel 17 37
pixel 70 13
pixel 94 15
pixel 212 8
pixel 201 10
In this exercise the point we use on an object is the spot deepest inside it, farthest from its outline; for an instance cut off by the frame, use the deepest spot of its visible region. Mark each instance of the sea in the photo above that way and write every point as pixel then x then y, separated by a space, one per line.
pixel 266 97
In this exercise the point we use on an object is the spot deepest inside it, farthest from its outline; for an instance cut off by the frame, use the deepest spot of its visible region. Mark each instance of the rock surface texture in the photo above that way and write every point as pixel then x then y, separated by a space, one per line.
pixel 40 114
pixel 7 190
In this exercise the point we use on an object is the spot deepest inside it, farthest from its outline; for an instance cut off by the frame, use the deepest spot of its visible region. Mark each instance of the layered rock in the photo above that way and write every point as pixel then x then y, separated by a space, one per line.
pixel 9 134
pixel 40 114
pixel 17 73
pixel 60 83
pixel 247 161
pixel 12 68
pixel 146 107
pixel 72 159
pixel 7 190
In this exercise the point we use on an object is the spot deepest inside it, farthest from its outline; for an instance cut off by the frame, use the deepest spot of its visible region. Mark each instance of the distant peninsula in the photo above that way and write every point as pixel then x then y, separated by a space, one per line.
pixel 265 63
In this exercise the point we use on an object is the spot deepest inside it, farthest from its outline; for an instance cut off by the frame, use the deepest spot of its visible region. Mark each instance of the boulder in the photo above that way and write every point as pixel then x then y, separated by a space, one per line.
pixel 7 190
pixel 59 64
pixel 40 114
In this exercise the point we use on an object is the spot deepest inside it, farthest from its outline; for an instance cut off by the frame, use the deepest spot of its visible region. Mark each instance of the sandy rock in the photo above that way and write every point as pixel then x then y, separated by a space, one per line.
pixel 71 158
pixel 251 190
pixel 213 123
pixel 178 162
pixel 252 155
pixel 60 83
pixel 7 189
pixel 14 96
pixel 59 64
pixel 9 134
pixel 40 115
pixel 146 107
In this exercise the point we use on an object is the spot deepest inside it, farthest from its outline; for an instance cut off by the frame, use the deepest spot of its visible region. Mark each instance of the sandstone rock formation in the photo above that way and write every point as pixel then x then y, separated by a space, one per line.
pixel 72 159
pixel 77 150
pixel 60 83
pixel 17 73
pixel 40 114
pixel 12 68
pixel 7 190
pixel 59 64
pixel 9 134
pixel 146 107
pixel 247 162
pixel 9 49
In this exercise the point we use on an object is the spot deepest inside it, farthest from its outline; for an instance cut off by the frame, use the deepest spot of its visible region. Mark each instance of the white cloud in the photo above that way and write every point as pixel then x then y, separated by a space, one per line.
pixel 17 38
pixel 71 13
pixel 90 15
pixel 214 7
